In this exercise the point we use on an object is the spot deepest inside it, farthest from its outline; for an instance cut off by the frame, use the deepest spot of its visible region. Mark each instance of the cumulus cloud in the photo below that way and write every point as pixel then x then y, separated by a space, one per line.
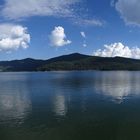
pixel 16 9
pixel 13 37
pixel 118 49
pixel 129 11
pixel 83 34
pixel 58 37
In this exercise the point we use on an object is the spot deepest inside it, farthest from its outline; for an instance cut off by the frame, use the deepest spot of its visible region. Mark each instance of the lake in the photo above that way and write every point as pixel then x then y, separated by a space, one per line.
pixel 84 105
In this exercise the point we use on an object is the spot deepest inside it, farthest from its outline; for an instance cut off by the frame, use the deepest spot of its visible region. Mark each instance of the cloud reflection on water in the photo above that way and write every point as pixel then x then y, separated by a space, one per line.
pixel 118 85
pixel 15 103
pixel 60 107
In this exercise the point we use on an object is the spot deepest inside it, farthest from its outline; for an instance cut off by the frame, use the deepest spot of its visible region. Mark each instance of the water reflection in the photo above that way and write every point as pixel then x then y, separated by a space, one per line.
pixel 69 105
pixel 118 85
pixel 60 107
pixel 15 103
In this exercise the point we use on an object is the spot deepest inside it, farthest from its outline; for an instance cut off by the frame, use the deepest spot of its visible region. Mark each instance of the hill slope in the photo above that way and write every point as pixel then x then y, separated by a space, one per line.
pixel 71 62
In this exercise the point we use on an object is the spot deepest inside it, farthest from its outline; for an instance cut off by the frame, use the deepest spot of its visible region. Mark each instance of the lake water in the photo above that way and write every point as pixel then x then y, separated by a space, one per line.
pixel 86 105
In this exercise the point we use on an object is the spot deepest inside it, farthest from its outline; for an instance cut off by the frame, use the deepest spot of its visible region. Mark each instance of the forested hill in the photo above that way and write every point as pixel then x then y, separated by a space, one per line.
pixel 73 61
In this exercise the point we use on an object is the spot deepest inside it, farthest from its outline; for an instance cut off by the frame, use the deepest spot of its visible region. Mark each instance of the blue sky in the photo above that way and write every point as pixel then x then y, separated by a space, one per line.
pixel 44 29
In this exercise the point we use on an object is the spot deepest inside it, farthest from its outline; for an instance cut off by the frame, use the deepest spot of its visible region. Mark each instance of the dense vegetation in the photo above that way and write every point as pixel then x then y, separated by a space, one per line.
pixel 71 62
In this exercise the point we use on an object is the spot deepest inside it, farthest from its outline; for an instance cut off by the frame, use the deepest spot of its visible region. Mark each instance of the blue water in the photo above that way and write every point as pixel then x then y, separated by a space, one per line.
pixel 86 105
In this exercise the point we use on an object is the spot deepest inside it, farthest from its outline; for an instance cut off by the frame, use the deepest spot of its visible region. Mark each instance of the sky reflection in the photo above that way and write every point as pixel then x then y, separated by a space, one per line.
pixel 15 103
pixel 118 85
pixel 60 107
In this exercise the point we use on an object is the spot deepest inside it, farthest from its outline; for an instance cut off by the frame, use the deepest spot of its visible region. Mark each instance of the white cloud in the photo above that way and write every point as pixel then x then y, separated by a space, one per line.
pixel 58 37
pixel 88 22
pixel 16 9
pixel 72 9
pixel 129 10
pixel 83 34
pixel 118 49
pixel 84 45
pixel 13 37
pixel 20 9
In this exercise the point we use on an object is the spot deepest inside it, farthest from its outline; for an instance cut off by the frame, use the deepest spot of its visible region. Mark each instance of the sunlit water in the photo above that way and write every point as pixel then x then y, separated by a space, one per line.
pixel 70 106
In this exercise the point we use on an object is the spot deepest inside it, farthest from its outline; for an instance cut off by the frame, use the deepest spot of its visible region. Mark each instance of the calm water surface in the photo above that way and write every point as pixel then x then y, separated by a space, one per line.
pixel 70 106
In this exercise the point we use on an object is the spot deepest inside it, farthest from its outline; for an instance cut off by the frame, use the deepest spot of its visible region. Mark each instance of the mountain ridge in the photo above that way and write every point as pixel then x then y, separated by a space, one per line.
pixel 74 61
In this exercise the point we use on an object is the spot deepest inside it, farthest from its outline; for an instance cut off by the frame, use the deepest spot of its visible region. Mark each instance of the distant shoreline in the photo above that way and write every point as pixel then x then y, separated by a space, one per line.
pixel 71 62
pixel 70 71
